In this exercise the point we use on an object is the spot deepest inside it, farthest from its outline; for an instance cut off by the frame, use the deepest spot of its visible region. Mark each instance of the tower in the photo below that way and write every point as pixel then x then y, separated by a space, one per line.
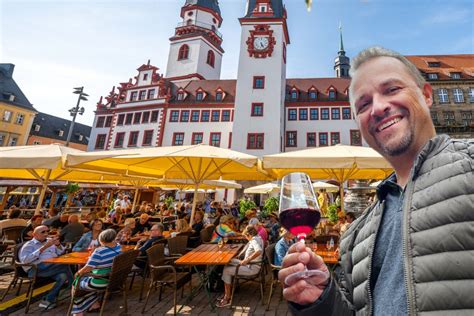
pixel 261 80
pixel 195 48
pixel 342 63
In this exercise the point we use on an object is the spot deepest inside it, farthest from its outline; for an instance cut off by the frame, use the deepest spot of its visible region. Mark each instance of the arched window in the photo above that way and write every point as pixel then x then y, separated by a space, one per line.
pixel 210 58
pixel 183 52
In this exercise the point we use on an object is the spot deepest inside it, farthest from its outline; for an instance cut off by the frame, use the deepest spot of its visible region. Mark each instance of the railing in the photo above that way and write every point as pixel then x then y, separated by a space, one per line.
pixel 200 25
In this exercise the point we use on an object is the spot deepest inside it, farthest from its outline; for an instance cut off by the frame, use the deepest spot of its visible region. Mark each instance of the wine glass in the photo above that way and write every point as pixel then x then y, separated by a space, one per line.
pixel 299 213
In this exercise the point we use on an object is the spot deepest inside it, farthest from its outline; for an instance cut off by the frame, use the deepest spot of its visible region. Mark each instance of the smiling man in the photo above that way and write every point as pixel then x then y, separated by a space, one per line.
pixel 410 252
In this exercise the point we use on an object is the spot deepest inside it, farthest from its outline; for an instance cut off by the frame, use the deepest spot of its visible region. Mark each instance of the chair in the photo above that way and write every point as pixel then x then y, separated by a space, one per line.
pixel 270 254
pixel 259 277
pixel 12 234
pixel 121 267
pixel 162 275
pixel 206 233
pixel 178 245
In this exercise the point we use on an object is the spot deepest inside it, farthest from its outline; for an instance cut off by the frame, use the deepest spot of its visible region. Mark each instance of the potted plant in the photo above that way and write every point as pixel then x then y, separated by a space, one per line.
pixel 245 205
pixel 272 204
pixel 71 189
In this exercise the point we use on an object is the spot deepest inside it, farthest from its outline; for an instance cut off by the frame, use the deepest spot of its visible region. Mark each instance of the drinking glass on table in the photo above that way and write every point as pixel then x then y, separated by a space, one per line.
pixel 299 213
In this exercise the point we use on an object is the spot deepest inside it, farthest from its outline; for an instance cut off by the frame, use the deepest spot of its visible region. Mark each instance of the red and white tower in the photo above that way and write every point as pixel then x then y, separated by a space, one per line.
pixel 195 49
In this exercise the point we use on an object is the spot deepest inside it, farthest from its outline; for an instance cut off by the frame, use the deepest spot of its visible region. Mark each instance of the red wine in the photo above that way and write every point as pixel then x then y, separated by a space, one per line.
pixel 300 220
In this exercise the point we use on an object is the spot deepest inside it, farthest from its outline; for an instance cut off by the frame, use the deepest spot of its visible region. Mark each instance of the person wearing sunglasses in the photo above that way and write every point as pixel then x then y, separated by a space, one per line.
pixel 36 251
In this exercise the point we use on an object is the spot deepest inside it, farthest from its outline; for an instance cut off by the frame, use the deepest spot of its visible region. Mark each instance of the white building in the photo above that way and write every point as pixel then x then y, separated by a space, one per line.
pixel 261 112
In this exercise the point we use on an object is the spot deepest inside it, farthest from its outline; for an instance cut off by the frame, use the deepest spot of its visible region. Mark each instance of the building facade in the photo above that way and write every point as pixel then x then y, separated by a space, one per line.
pixel 260 112
pixel 49 129
pixel 16 112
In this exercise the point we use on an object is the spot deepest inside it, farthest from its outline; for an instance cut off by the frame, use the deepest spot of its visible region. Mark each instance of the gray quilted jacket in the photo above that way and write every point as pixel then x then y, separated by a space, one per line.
pixel 438 240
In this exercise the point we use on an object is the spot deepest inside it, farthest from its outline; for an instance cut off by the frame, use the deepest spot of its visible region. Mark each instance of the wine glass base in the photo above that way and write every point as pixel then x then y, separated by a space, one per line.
pixel 314 277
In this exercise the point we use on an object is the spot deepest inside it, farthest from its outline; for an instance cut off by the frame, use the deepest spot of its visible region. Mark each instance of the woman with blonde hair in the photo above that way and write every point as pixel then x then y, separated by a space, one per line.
pixel 182 226
pixel 124 235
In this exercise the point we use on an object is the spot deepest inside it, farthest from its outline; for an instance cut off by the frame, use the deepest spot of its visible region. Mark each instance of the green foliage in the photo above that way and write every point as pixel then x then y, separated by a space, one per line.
pixel 271 205
pixel 332 213
pixel 245 205
pixel 169 201
pixel 72 188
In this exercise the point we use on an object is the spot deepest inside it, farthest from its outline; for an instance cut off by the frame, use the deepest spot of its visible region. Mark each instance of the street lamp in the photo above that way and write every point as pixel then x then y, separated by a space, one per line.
pixel 76 110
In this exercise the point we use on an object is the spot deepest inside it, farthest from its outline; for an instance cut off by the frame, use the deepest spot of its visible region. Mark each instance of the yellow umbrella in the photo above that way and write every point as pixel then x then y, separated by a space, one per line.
pixel 266 188
pixel 196 163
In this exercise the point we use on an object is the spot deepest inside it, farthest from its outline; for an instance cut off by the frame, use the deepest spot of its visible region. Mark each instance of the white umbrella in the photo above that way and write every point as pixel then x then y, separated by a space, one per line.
pixel 263 189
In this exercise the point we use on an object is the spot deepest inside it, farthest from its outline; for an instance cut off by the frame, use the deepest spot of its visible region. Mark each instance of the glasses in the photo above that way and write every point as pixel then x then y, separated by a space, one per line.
pixel 44 232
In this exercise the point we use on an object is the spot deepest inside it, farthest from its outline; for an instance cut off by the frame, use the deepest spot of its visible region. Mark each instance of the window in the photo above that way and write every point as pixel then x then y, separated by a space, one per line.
pixel 356 140
pixel 449 118
pixel 230 140
pixel 455 75
pixel 174 117
pixel 184 116
pixel 219 96
pixel 145 117
pixel 119 140
pixel 335 114
pixel 200 96
pixel 100 121
pixel 137 118
pixel 443 95
pixel 36 142
pixel 178 139
pixel 205 115
pixel 303 114
pixel 183 52
pixel 314 114
pixel 258 82
pixel 133 96
pixel 154 116
pixel 20 118
pixel 346 113
pixel 13 141
pixel 458 95
pixel 100 141
pixel 210 58
pixel 151 94
pixel 60 133
pixel 120 119
pixel 108 121
pixel 432 76
pixel 466 117
pixel 142 95
pixel 180 96
pixel 215 116
pixel 471 95
pixel 255 141
pixel 434 118
pixel 284 53
pixel 128 119
pixel 194 116
pixel 225 116
pixel 323 139
pixel 313 95
pixel 332 94
pixel 2 139
pixel 262 8
pixel 145 76
pixel 335 138
pixel 292 115
pixel 215 139
pixel 311 140
pixel 291 139
pixel 325 114
pixel 37 128
pixel 7 116
pixel 433 64
pixel 197 138
pixel 294 94
pixel 147 138
pixel 133 139
pixel 257 109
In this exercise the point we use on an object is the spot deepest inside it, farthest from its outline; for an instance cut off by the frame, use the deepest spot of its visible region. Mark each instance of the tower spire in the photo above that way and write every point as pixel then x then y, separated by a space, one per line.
pixel 342 63
pixel 341 44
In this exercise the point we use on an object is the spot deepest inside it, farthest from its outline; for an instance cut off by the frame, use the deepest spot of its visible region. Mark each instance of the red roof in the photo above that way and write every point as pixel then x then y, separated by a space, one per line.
pixel 463 64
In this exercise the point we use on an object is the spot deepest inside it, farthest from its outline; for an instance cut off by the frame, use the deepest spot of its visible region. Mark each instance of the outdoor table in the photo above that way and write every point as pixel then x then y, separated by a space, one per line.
pixel 209 255
pixel 237 239
pixel 78 257
pixel 329 256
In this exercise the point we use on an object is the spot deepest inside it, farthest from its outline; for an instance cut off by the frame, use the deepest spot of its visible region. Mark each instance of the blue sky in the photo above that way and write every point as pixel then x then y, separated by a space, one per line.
pixel 58 45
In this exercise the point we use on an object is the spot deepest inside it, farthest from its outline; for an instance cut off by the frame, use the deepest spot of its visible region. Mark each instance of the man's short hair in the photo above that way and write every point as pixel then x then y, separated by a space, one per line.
pixel 160 227
pixel 14 213
pixel 351 215
pixel 378 51
pixel 107 236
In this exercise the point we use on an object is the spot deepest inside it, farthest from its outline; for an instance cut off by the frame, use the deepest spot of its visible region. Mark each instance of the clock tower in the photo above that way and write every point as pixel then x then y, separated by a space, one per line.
pixel 259 120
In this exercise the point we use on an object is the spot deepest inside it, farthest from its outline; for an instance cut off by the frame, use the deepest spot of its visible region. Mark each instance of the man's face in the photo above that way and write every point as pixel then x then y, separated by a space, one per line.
pixel 155 232
pixel 391 110
pixel 37 221
pixel 41 233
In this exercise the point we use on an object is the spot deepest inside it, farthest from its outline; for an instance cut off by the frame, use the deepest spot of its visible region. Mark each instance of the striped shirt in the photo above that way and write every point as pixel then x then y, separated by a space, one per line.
pixel 103 257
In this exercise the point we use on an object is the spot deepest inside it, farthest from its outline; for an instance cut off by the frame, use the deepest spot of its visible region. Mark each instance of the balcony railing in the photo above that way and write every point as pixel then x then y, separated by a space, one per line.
pixel 201 25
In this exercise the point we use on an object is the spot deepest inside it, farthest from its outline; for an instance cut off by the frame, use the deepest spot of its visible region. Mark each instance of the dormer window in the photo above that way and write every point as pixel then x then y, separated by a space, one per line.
pixel 332 94
pixel 262 8
pixel 37 127
pixel 199 96
pixel 11 98
pixel 145 76
pixel 455 75
pixel 60 133
pixel 432 76
pixel 433 64
pixel 312 94
pixel 219 96
pixel 180 96
pixel 294 94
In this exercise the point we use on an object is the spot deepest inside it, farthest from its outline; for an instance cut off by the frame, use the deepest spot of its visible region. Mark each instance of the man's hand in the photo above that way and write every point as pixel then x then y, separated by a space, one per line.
pixel 303 291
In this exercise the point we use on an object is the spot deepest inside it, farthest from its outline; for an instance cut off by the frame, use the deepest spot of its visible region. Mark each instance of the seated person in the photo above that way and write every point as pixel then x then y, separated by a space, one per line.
pixel 53 214
pixel 125 234
pixel 252 252
pixel 13 219
pixel 73 231
pixel 224 229
pixel 36 251
pixel 282 246
pixel 142 224
pixel 60 222
pixel 273 228
pixel 156 234
pixel 198 223
pixel 249 214
pixel 27 233
pixel 100 263
pixel 116 215
pixel 219 214
pixel 182 226
pixel 90 240
pixel 260 229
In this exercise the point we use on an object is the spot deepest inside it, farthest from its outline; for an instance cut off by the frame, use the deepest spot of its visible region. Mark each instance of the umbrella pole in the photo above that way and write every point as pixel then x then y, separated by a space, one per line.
pixel 341 195
pixel 43 192
pixel 196 188
pixel 135 200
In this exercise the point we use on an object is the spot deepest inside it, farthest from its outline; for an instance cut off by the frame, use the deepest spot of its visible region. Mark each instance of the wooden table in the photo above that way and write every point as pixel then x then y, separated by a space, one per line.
pixel 329 256
pixel 78 257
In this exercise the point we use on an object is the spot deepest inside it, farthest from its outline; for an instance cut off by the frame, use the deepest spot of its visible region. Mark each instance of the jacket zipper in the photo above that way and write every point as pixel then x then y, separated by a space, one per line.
pixel 407 259
pixel 371 254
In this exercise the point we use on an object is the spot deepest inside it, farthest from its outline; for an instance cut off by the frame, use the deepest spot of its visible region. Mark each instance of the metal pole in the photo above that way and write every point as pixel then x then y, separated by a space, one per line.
pixel 74 111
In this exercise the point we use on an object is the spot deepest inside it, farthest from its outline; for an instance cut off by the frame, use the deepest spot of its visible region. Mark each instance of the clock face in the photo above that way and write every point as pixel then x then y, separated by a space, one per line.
pixel 260 43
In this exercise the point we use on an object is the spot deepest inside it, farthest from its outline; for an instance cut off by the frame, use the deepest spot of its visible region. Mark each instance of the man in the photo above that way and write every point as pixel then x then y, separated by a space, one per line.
pixel 12 219
pixel 73 231
pixel 142 224
pixel 282 246
pixel 411 251
pixel 53 215
pixel 60 222
pixel 118 201
pixel 125 204
pixel 27 232
pixel 156 234
pixel 36 251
